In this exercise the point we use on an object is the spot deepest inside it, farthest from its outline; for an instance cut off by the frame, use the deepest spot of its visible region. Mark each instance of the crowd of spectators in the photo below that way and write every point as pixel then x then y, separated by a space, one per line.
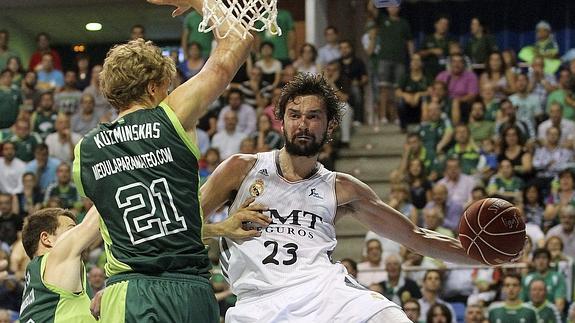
pixel 478 124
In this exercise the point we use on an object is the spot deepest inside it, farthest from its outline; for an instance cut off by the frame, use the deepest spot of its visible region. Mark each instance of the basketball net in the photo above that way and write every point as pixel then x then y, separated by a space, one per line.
pixel 239 17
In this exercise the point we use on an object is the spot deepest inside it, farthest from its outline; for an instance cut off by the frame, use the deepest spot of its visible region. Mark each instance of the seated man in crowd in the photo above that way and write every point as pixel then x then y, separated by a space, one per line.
pixel 551 158
pixel 512 308
pixel 565 230
pixel 451 208
pixel 437 132
pixel 63 188
pixel 479 127
pixel 432 285
pixel 372 271
pixel 228 140
pixel 527 103
pixel 554 281
pixel 557 120
pixel 563 95
pixel 398 288
pixel 433 220
pixel 245 113
pixel 462 85
pixel 546 311
pixel 474 314
pixel 505 183
pixel 459 186
pixel 43 166
pixel 465 150
pixel 507 117
pixel 412 309
pixel 414 149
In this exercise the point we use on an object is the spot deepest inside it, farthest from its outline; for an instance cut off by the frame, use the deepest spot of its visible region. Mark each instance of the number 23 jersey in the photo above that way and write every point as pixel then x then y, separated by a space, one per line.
pixel 296 247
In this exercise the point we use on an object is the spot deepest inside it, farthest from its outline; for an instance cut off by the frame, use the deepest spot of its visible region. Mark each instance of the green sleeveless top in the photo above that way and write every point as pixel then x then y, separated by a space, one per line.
pixel 42 302
pixel 141 172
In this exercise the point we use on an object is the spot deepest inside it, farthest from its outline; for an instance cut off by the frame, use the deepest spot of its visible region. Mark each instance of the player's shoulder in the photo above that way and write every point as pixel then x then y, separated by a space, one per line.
pixel 240 162
pixel 349 188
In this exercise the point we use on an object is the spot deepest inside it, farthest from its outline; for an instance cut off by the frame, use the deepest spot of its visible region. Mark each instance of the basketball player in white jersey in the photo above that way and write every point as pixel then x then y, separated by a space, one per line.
pixel 286 274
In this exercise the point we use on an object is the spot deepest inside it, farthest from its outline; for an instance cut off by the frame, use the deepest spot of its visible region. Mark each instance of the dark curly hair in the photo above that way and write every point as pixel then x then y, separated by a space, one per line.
pixel 310 84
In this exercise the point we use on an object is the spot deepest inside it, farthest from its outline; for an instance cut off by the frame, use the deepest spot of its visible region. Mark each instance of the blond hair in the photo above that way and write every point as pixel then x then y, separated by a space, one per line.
pixel 129 68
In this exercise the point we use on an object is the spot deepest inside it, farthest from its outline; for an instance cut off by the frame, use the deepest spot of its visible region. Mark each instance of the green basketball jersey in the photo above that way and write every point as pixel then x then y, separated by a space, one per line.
pixel 501 313
pixel 141 172
pixel 44 124
pixel 547 313
pixel 42 302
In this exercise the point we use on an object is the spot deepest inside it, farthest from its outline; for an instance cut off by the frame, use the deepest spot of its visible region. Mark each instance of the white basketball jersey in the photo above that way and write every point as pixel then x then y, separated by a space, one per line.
pixel 295 248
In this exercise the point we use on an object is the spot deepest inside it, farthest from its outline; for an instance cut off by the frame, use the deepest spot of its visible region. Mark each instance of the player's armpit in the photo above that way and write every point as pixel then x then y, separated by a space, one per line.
pixel 225 179
pixel 64 266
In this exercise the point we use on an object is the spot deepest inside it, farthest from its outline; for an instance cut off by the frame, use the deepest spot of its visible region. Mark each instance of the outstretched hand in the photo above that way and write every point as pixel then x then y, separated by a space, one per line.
pixel 181 5
pixel 234 226
pixel 96 303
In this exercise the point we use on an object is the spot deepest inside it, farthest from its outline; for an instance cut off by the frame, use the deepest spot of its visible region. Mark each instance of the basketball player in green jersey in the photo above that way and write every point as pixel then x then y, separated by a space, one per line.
pixel 141 172
pixel 55 281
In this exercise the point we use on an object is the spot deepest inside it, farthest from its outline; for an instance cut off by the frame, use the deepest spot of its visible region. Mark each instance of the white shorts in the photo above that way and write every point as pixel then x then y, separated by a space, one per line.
pixel 339 299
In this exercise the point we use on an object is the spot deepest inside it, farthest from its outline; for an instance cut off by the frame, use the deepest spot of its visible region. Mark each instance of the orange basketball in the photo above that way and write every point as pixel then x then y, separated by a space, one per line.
pixel 492 231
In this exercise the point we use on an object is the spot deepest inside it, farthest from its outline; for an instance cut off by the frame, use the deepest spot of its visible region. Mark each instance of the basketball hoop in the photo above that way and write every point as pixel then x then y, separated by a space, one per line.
pixel 239 17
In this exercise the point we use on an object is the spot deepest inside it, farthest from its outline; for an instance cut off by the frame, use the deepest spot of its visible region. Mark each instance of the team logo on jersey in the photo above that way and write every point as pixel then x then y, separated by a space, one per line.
pixel 315 194
pixel 257 188
pixel 263 172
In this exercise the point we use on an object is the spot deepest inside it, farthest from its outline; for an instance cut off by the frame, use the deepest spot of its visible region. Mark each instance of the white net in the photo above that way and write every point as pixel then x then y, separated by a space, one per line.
pixel 239 17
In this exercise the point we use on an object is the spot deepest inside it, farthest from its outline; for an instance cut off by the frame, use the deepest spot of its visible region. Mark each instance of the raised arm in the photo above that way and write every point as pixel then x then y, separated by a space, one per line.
pixel 64 264
pixel 362 203
pixel 191 100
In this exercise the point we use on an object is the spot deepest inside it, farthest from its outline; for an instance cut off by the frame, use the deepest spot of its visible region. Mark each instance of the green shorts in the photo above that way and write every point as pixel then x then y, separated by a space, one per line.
pixel 165 298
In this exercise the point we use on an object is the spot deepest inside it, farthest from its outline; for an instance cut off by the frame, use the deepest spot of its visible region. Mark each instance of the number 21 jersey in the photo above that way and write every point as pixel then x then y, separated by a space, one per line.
pixel 295 248
pixel 141 172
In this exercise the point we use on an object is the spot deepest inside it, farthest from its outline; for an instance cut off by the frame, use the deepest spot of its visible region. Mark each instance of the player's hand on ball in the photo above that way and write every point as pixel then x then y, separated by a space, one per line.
pixel 95 304
pixel 244 222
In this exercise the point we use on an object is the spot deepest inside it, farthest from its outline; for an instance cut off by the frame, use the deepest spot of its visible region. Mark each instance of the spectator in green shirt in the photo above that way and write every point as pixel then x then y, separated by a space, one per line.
pixel 480 44
pixel 5 52
pixel 480 128
pixel 512 309
pixel 563 95
pixel 546 311
pixel 191 34
pixel 284 45
pixel 465 150
pixel 25 141
pixel 435 47
pixel 395 43
pixel 555 282
pixel 505 183
pixel 411 90
pixel 436 133
pixel 10 100
pixel 545 46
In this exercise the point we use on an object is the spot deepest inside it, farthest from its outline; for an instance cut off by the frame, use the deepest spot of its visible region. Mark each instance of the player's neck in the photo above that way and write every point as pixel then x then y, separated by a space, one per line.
pixel 295 168
pixel 131 108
